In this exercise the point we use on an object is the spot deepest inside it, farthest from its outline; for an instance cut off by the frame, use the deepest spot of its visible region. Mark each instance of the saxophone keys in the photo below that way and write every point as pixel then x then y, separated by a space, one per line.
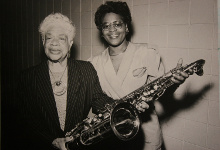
pixel 94 119
pixel 137 107
pixel 86 127
pixel 106 115
pixel 156 87
pixel 151 91
pixel 143 98
pixel 145 93
pixel 98 131
pixel 89 121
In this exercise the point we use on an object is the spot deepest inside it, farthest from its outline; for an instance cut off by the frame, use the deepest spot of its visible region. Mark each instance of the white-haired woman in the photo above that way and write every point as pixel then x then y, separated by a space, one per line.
pixel 58 93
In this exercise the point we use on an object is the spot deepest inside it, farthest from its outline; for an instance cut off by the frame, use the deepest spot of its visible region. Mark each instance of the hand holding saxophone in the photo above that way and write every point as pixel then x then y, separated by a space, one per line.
pixel 121 117
pixel 180 76
pixel 60 143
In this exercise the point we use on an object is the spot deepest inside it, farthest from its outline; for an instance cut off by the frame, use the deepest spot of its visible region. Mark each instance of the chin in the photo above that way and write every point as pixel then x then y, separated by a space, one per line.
pixel 114 44
pixel 55 58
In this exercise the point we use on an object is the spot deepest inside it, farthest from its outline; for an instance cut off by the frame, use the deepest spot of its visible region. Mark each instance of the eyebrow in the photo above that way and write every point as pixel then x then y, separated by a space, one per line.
pixel 59 34
pixel 113 22
pixel 63 35
pixel 47 33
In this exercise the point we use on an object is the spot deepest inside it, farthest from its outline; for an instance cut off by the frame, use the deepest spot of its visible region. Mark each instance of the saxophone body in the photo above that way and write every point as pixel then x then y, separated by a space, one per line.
pixel 122 118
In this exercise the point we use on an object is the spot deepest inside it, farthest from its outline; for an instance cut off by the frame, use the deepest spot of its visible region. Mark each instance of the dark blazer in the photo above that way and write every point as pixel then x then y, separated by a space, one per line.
pixel 39 117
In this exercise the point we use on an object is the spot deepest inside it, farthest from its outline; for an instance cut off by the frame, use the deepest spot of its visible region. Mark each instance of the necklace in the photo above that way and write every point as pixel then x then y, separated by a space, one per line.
pixel 59 88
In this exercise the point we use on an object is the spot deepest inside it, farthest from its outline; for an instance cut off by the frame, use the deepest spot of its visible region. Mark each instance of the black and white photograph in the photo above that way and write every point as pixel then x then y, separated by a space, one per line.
pixel 110 75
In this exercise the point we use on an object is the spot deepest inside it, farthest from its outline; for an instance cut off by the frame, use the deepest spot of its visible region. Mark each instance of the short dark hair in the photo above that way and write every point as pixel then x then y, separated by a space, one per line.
pixel 120 8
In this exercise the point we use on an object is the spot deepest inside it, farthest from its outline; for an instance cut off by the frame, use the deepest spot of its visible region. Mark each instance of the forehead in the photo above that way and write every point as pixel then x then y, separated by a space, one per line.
pixel 111 17
pixel 57 30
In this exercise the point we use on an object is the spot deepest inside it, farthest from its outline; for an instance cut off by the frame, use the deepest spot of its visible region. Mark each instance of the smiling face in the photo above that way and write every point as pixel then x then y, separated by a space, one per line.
pixel 114 30
pixel 56 43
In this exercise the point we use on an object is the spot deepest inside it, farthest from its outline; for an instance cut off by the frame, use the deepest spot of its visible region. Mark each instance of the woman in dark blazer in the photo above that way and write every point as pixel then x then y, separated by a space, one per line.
pixel 58 93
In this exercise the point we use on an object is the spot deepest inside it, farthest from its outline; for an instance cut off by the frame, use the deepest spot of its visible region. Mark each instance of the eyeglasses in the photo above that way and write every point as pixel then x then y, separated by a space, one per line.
pixel 106 27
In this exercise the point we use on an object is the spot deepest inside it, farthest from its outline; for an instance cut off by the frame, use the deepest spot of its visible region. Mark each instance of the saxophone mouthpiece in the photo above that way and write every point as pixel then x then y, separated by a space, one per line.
pixel 199 67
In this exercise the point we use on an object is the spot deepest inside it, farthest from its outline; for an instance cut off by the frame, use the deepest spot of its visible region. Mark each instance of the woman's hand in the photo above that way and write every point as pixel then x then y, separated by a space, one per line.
pixel 60 142
pixel 180 76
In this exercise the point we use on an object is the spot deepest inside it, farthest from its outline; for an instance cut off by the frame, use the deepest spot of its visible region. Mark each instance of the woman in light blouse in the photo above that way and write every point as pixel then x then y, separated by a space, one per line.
pixel 124 67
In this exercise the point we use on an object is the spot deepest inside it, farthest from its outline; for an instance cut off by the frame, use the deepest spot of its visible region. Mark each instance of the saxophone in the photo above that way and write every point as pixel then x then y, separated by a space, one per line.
pixel 122 118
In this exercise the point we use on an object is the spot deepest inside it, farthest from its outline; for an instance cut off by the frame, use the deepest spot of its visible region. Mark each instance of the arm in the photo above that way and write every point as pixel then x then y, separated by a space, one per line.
pixel 156 64
pixel 34 128
pixel 100 99
pixel 94 97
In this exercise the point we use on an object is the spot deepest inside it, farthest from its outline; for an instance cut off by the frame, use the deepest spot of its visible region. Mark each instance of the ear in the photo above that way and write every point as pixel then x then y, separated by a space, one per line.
pixel 43 40
pixel 71 43
pixel 126 26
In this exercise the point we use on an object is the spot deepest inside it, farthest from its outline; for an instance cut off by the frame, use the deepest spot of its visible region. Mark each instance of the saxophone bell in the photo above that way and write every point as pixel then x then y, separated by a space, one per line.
pixel 122 117
pixel 125 121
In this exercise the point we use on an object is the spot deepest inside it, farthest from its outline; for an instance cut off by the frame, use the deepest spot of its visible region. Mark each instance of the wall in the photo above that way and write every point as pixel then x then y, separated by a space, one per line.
pixel 181 28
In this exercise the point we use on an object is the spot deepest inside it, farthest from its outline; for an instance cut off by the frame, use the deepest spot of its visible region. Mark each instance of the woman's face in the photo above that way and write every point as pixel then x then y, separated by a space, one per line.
pixel 56 43
pixel 114 29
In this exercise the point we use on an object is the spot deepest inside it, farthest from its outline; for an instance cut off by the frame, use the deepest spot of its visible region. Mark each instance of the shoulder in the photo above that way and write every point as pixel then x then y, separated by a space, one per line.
pixel 27 77
pixel 145 47
pixel 97 58
pixel 149 56
pixel 145 50
pixel 83 66
pixel 81 63
pixel 31 71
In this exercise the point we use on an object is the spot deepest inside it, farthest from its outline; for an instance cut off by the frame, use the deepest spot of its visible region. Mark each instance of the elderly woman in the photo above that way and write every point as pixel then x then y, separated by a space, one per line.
pixel 124 67
pixel 58 93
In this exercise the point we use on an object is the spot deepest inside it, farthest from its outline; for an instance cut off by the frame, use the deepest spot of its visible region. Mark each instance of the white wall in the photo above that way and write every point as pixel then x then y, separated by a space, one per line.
pixel 185 29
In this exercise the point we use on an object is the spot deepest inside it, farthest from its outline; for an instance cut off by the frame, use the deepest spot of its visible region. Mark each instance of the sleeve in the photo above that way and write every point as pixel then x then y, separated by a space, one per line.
pixel 154 64
pixel 33 128
pixel 100 99
pixel 156 69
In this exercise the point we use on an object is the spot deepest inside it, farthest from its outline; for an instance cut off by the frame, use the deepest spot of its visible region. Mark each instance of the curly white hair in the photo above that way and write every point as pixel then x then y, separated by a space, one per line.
pixel 58 19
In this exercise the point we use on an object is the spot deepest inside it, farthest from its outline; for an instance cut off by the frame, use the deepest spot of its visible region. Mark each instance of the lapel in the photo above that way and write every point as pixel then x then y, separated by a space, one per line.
pixel 110 75
pixel 126 63
pixel 73 86
pixel 48 104
pixel 116 80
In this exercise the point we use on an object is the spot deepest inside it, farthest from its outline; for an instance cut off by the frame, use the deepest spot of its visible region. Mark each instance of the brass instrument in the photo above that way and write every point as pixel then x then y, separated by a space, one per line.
pixel 122 116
